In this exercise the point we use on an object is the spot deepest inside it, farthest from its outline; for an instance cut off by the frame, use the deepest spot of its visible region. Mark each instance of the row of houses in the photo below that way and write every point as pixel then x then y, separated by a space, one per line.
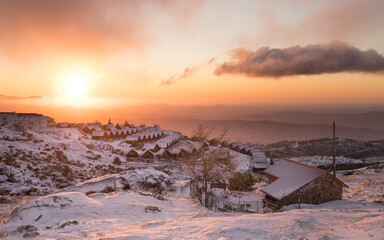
pixel 154 150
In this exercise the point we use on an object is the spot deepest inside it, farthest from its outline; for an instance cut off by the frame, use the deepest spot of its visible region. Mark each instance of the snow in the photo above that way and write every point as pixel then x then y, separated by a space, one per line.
pixel 122 216
pixel 323 160
pixel 70 214
pixel 132 177
pixel 241 161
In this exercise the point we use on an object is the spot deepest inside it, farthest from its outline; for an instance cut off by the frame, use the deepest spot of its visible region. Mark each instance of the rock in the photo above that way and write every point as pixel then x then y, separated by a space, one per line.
pixel 152 209
pixel 3 178
pixel 30 234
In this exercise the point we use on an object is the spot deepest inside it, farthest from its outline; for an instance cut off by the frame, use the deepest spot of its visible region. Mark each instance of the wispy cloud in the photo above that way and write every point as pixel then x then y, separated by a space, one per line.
pixel 187 73
pixel 333 57
pixel 18 97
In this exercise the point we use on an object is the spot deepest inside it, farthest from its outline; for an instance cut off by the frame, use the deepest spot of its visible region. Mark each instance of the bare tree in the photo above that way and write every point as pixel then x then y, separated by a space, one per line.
pixel 211 163
pixel 201 133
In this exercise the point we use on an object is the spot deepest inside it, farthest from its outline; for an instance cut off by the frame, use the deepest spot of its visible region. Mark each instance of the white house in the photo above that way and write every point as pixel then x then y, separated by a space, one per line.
pixel 32 121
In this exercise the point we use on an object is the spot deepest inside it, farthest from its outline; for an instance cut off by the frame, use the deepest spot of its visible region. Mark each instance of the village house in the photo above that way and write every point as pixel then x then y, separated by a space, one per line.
pixel 163 154
pixel 32 121
pixel 291 182
pixel 259 160
pixel 147 154
pixel 132 153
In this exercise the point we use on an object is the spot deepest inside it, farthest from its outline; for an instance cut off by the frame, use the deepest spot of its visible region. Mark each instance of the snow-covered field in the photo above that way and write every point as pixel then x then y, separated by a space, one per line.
pixel 123 215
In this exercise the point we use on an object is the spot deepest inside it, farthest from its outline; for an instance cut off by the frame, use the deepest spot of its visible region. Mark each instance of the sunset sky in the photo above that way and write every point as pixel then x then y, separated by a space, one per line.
pixel 114 54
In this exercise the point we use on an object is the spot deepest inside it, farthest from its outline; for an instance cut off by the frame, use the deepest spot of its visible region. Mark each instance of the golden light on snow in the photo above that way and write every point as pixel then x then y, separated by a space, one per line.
pixel 76 86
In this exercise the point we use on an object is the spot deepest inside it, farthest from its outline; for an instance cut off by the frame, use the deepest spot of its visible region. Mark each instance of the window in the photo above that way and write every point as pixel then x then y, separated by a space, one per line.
pixel 30 123
pixel 20 123
pixel 30 128
pixel 4 119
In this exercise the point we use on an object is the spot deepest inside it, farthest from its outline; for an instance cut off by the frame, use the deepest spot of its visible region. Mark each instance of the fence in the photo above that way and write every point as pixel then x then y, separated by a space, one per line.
pixel 219 199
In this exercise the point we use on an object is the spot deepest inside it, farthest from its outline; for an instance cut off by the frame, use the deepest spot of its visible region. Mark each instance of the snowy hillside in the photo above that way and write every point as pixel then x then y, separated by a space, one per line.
pixel 39 164
pixel 88 195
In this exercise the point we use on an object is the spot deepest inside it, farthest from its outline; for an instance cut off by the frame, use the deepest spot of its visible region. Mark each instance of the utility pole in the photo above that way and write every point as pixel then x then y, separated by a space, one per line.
pixel 334 149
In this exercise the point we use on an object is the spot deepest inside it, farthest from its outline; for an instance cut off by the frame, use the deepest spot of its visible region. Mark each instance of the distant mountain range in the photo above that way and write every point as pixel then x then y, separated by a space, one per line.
pixel 267 131
pixel 374 119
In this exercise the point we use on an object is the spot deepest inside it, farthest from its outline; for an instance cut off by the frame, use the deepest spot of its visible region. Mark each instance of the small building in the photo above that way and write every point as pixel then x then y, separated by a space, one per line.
pixel 98 135
pixel 154 147
pixel 163 153
pixel 132 153
pixel 259 160
pixel 175 152
pixel 184 152
pixel 147 154
pixel 62 125
pixel 291 182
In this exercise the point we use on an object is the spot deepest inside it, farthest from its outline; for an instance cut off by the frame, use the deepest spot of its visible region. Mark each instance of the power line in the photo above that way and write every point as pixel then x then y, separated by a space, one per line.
pixel 328 128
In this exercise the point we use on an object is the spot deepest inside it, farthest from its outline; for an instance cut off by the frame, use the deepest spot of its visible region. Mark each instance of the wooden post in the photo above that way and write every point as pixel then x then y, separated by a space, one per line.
pixel 334 149
pixel 203 195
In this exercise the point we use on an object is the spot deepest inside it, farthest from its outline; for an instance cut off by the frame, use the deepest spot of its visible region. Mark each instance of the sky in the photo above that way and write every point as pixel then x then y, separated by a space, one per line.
pixel 111 55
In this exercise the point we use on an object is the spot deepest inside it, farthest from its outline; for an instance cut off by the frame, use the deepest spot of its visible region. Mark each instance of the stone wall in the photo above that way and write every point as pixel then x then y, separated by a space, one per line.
pixel 323 189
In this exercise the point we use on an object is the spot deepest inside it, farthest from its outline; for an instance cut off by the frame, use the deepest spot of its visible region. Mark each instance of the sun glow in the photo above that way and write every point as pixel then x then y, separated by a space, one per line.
pixel 76 86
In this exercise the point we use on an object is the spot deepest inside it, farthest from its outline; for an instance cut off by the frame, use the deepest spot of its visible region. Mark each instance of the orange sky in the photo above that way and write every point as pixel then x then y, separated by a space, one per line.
pixel 127 50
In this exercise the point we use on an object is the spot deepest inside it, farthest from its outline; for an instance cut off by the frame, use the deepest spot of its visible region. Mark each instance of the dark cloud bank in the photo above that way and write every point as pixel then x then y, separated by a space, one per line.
pixel 333 57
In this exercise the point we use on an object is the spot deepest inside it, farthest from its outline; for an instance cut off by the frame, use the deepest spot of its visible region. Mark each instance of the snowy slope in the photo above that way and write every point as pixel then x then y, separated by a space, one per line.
pixel 122 215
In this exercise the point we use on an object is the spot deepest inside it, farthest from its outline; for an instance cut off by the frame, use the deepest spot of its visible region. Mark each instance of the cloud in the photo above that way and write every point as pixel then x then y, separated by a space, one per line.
pixel 187 73
pixel 354 21
pixel 36 28
pixel 18 97
pixel 333 57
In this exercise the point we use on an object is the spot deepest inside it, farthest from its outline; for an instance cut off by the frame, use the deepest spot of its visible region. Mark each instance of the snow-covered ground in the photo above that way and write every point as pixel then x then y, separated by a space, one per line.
pixel 366 184
pixel 123 215
pixel 323 160
pixel 136 213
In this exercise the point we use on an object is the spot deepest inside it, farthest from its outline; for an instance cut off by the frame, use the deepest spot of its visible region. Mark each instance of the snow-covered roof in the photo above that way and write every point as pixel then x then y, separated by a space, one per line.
pixel 291 176
pixel 175 151
pixel 259 160
pixel 196 145
pixel 63 124
pixel 110 126
pixel 234 145
pixel 162 151
pixel 149 146
pixel 131 138
pixel 227 143
pixel 98 133
pixel 146 152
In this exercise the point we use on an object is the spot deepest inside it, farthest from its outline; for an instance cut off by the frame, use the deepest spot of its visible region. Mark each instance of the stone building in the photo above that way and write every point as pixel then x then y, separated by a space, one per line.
pixel 292 182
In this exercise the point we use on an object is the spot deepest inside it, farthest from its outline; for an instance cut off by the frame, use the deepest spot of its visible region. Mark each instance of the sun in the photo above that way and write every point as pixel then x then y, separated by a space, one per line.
pixel 76 86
